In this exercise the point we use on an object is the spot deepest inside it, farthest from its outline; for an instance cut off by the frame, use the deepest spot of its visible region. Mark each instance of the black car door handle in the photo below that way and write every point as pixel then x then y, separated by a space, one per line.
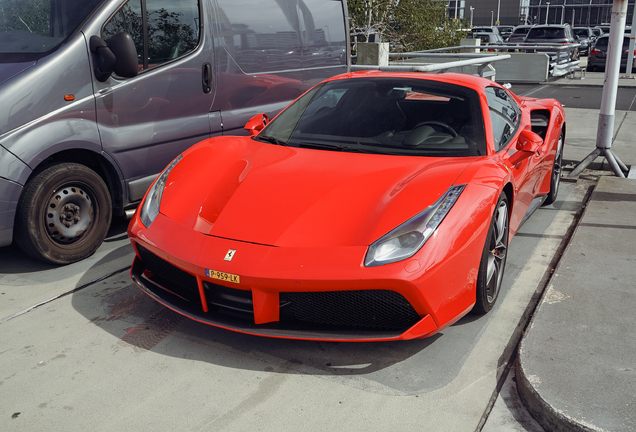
pixel 206 77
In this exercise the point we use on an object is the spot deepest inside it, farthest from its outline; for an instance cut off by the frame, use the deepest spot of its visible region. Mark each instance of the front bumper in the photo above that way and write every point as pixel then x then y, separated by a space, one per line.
pixel 313 293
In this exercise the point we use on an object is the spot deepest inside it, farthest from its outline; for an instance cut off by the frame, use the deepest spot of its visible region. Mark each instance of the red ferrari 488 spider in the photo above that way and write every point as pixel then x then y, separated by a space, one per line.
pixel 377 206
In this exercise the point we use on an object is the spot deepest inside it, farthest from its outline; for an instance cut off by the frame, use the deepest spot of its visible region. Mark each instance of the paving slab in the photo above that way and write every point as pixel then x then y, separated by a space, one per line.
pixel 576 369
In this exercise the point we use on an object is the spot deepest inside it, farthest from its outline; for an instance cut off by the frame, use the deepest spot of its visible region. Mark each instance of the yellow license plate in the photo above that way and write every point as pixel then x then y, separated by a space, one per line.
pixel 228 277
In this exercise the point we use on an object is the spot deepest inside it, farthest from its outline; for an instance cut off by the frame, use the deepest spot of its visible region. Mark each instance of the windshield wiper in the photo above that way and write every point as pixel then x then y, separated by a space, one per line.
pixel 270 140
pixel 317 146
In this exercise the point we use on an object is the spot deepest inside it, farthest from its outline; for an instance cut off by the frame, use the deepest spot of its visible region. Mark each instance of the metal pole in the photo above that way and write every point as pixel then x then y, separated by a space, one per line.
pixel 547 12
pixel 562 13
pixel 456 9
pixel 498 7
pixel 491 18
pixel 471 15
pixel 630 54
pixel 610 88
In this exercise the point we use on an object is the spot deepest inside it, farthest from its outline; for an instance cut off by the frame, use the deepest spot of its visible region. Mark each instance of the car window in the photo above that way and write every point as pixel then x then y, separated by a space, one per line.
pixel 505 116
pixel 172 29
pixel 397 116
pixel 546 33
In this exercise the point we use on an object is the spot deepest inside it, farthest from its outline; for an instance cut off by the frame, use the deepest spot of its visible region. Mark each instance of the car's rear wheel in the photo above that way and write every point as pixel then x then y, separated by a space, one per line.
pixel 555 179
pixel 493 258
pixel 63 214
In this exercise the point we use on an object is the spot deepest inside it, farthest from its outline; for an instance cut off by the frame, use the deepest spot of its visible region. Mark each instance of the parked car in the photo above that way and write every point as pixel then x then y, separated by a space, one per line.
pixel 485 29
pixel 553 34
pixel 518 35
pixel 596 31
pixel 505 31
pixel 585 37
pixel 377 206
pixel 486 38
pixel 98 97
pixel 598 54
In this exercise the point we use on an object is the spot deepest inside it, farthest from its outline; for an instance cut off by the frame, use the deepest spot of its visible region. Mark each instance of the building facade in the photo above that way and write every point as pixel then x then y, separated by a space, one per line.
pixel 514 12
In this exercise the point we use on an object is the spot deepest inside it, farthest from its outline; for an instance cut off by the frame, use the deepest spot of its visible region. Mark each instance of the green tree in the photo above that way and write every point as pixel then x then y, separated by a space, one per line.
pixel 412 25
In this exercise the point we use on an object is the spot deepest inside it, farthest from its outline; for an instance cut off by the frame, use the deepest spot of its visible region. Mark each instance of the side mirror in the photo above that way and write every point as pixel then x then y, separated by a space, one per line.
pixel 529 141
pixel 123 46
pixel 256 124
pixel 528 144
pixel 119 56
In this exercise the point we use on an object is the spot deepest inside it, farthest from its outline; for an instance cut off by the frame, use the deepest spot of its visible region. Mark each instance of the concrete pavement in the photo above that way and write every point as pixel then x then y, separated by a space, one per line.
pixel 576 365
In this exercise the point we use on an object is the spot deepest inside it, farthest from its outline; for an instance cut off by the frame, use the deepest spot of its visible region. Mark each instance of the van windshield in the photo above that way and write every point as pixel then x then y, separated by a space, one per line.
pixel 30 28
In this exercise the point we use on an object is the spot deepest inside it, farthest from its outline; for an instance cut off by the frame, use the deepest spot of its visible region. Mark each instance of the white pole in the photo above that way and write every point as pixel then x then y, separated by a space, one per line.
pixel 491 18
pixel 456 9
pixel 562 13
pixel 471 15
pixel 606 116
pixel 498 7
pixel 547 12
pixel 630 54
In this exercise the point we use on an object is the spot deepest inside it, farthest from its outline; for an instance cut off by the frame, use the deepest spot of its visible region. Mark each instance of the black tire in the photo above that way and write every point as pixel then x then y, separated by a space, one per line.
pixel 493 258
pixel 555 175
pixel 63 214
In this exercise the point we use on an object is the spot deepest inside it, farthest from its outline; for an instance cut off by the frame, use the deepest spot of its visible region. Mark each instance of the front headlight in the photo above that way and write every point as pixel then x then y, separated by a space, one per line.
pixel 150 207
pixel 408 238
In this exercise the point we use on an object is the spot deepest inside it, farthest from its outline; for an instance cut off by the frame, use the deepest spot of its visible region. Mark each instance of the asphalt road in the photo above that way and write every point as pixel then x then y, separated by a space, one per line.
pixel 578 97
pixel 82 348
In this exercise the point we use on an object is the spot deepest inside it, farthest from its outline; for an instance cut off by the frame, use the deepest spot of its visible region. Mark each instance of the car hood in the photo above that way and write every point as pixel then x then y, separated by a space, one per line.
pixel 242 189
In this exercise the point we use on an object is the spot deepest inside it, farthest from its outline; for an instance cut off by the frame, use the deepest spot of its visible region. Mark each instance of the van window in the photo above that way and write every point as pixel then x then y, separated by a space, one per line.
pixel 172 29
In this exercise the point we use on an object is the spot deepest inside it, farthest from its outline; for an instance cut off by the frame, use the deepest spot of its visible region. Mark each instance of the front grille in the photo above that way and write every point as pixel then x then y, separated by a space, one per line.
pixel 170 277
pixel 368 309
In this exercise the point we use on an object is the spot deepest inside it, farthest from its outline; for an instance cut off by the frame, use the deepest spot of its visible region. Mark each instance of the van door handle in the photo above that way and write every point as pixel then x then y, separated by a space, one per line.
pixel 206 77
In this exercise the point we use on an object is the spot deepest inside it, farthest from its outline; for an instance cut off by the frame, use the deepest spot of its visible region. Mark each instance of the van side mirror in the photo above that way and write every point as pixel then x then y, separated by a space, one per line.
pixel 119 55
pixel 256 124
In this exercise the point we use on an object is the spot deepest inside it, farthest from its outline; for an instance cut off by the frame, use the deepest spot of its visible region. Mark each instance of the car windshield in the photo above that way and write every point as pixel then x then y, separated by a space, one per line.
pixel 29 28
pixel 580 32
pixel 394 116
pixel 546 33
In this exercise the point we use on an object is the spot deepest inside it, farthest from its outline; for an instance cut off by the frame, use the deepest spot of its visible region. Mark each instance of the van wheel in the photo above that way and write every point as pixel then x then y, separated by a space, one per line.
pixel 63 214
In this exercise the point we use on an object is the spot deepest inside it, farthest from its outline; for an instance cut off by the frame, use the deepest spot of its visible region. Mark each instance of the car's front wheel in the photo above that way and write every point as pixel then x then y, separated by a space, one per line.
pixel 63 214
pixel 493 258
pixel 555 179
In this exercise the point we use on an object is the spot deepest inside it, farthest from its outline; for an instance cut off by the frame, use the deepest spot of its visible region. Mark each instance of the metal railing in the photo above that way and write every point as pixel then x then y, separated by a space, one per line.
pixel 482 62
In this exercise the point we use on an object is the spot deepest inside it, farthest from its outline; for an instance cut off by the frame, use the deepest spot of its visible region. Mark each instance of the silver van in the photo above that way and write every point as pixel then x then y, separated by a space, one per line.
pixel 98 96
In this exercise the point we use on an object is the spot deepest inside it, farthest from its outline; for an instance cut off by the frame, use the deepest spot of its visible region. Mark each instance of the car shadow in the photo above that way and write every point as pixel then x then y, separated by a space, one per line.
pixel 15 262
pixel 137 322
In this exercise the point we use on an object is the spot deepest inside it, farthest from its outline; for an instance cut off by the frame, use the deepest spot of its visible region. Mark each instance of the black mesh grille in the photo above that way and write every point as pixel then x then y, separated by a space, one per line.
pixel 170 277
pixel 371 309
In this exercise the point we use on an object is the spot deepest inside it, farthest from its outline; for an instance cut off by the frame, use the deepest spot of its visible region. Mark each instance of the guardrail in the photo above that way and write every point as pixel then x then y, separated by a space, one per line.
pixel 482 63
pixel 563 59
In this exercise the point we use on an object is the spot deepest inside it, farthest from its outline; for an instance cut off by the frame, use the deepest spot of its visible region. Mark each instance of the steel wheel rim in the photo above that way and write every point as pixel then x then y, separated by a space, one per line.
pixel 69 214
pixel 497 252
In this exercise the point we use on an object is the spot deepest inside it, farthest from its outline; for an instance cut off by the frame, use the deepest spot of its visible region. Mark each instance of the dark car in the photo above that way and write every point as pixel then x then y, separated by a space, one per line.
pixel 598 54
pixel 553 34
pixel 585 37
pixel 519 34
